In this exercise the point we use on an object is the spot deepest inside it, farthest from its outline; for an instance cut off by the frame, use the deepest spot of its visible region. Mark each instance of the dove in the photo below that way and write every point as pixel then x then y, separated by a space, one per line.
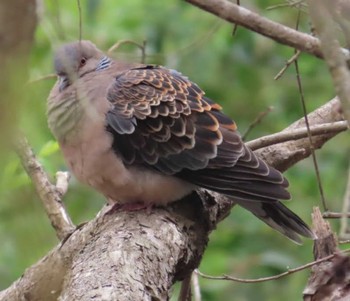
pixel 146 134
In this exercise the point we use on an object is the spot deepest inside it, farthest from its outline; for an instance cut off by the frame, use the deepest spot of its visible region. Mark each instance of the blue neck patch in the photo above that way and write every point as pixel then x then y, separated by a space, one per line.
pixel 104 63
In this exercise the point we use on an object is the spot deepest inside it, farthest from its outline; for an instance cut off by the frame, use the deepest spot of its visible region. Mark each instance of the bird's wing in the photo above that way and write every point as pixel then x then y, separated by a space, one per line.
pixel 162 120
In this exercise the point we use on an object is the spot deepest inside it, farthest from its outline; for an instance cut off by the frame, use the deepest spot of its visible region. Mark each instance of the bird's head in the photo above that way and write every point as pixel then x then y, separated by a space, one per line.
pixel 74 60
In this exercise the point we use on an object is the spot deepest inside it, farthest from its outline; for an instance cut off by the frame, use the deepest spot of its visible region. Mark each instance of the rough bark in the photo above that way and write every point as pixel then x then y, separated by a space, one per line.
pixel 138 255
pixel 239 15
pixel 329 280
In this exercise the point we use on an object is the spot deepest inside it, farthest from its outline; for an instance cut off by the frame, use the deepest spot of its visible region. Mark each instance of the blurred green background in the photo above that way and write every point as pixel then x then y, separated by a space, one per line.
pixel 235 70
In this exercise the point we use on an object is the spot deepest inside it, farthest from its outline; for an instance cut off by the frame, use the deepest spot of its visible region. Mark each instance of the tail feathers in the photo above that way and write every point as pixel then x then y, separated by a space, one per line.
pixel 280 218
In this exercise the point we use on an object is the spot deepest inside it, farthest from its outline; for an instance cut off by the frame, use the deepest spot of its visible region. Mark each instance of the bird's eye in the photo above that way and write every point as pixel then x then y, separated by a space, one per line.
pixel 82 61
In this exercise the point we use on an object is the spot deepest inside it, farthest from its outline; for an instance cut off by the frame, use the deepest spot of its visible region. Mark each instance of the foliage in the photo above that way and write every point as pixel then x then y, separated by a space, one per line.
pixel 237 71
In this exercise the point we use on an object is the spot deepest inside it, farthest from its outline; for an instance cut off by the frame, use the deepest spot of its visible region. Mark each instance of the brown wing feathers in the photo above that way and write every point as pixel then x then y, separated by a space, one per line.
pixel 180 131
pixel 163 121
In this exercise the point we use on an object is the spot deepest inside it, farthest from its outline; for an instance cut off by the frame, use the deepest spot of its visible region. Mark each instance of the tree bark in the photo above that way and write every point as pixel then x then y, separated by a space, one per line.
pixel 300 149
pixel 329 280
pixel 138 255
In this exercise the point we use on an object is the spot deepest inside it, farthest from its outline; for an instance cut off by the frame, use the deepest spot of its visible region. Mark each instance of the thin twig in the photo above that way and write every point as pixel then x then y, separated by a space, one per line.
pixel 330 215
pixel 196 287
pixel 198 41
pixel 142 47
pixel 48 193
pixel 313 154
pixel 256 121
pixel 143 52
pixel 344 222
pixel 57 20
pixel 185 291
pixel 42 78
pixel 300 133
pixel 278 276
pixel 235 26
pixel 288 63
pixel 80 20
pixel 298 4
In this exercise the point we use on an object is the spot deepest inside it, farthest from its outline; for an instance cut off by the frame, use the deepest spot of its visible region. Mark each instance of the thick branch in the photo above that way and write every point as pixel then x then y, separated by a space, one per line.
pixel 138 255
pixel 236 14
pixel 284 155
pixel 99 258
pixel 321 13
pixel 121 256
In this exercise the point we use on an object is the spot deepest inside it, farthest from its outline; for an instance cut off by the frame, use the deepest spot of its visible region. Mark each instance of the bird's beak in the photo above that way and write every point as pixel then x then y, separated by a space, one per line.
pixel 63 82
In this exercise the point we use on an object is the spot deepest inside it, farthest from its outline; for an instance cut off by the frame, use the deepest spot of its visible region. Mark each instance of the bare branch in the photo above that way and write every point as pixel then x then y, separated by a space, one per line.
pixel 185 291
pixel 298 4
pixel 80 20
pixel 328 279
pixel 256 121
pixel 295 134
pixel 142 47
pixel 288 63
pixel 300 149
pixel 330 215
pixel 320 230
pixel 345 215
pixel 264 279
pixel 49 194
pixel 196 287
pixel 312 148
pixel 41 78
pixel 235 14
pixel 321 16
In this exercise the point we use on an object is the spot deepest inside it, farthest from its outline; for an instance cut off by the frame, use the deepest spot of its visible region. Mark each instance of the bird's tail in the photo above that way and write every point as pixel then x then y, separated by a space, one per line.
pixel 280 218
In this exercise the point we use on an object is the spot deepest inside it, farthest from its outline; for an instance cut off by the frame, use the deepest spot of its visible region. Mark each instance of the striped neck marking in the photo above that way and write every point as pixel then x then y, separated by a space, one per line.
pixel 104 63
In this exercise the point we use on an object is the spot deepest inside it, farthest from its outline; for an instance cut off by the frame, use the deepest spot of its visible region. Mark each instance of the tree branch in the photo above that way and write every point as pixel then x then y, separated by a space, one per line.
pixel 50 195
pixel 300 149
pixel 316 130
pixel 345 214
pixel 285 35
pixel 321 13
pixel 270 278
pixel 330 279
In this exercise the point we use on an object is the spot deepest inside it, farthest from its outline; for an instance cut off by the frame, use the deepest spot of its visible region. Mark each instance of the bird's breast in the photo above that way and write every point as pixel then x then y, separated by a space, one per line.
pixel 97 165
